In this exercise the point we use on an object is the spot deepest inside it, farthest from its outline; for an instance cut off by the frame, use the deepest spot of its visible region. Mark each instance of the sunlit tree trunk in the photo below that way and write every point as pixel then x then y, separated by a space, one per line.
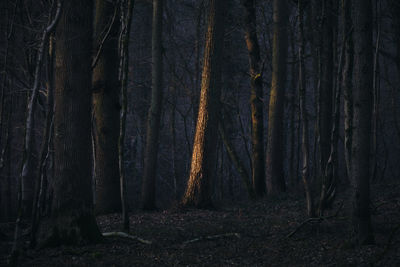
pixel 106 107
pixel 154 115
pixel 275 173
pixel 199 188
pixel 256 98
pixel 362 108
pixel 72 220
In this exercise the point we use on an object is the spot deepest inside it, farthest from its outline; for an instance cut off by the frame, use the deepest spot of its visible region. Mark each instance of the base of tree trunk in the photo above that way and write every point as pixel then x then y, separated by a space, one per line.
pixel 68 229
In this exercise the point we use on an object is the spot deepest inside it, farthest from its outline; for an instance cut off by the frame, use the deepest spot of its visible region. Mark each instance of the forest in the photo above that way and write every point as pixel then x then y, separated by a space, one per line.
pixel 199 133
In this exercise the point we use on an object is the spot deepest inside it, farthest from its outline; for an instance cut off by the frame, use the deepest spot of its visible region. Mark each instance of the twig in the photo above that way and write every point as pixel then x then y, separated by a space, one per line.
pixel 211 237
pixel 125 235
pixel 314 219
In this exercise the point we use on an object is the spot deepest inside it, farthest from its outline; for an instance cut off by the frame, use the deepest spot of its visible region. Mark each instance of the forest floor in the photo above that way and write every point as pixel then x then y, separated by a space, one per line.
pixel 241 234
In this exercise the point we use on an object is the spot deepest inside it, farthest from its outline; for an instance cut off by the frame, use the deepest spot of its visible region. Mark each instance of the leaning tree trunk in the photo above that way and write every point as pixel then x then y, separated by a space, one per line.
pixel 199 188
pixel 72 220
pixel 275 173
pixel 154 115
pixel 106 107
pixel 256 103
pixel 362 108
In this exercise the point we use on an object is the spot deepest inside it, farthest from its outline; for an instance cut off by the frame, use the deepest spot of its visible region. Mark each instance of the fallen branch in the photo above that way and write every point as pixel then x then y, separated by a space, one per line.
pixel 314 219
pixel 125 235
pixel 211 237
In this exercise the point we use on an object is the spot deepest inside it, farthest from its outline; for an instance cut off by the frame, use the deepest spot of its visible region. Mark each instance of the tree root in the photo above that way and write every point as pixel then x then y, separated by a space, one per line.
pixel 211 237
pixel 125 235
pixel 315 219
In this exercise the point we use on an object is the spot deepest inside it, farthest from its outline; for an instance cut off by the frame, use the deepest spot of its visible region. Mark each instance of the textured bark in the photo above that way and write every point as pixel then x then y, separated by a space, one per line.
pixel 362 108
pixel 256 102
pixel 347 85
pixel 304 118
pixel 106 108
pixel 154 115
pixel 199 188
pixel 72 220
pixel 275 173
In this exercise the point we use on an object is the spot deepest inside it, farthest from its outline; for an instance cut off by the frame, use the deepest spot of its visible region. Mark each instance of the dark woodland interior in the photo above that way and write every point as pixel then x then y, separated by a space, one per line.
pixel 199 133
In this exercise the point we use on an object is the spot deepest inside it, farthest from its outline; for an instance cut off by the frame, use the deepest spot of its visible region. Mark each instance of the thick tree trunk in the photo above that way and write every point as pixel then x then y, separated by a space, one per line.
pixel 256 98
pixel 199 188
pixel 106 107
pixel 154 115
pixel 72 220
pixel 275 173
pixel 362 108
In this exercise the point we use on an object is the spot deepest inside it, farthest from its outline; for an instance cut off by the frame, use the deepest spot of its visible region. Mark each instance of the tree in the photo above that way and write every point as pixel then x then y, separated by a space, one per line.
pixel 106 107
pixel 154 115
pixel 275 173
pixel 199 187
pixel 362 113
pixel 304 117
pixel 72 220
pixel 256 102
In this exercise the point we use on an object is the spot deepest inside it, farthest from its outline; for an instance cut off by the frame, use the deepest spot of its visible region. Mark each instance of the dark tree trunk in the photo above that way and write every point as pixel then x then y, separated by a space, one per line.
pixel 362 108
pixel 275 149
pixel 72 220
pixel 154 115
pixel 256 102
pixel 106 107
pixel 199 188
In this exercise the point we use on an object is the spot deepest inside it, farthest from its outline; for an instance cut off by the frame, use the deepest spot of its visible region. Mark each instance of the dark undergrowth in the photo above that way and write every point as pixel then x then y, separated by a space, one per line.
pixel 241 234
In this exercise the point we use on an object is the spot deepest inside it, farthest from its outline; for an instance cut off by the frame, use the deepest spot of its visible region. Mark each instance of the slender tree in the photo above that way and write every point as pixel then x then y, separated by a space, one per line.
pixel 362 109
pixel 199 188
pixel 303 110
pixel 256 102
pixel 106 106
pixel 275 173
pixel 72 219
pixel 154 115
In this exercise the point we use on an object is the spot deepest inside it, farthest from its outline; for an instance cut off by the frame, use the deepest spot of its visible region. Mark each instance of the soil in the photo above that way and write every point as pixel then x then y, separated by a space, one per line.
pixel 240 234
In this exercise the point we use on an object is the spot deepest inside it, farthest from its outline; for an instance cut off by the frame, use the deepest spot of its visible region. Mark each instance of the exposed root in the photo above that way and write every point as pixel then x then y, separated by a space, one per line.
pixel 125 235
pixel 211 237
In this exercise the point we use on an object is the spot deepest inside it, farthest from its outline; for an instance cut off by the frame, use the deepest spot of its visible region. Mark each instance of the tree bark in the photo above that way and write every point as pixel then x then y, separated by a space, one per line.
pixel 154 115
pixel 256 98
pixel 106 107
pixel 72 220
pixel 275 173
pixel 199 188
pixel 362 108
pixel 304 118
pixel 347 85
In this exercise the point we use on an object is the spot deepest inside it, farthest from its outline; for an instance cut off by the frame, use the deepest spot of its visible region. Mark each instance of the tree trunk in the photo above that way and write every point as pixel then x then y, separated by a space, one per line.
pixel 199 188
pixel 106 107
pixel 256 98
pixel 275 173
pixel 362 108
pixel 154 115
pixel 304 118
pixel 347 85
pixel 72 219
pixel 325 88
